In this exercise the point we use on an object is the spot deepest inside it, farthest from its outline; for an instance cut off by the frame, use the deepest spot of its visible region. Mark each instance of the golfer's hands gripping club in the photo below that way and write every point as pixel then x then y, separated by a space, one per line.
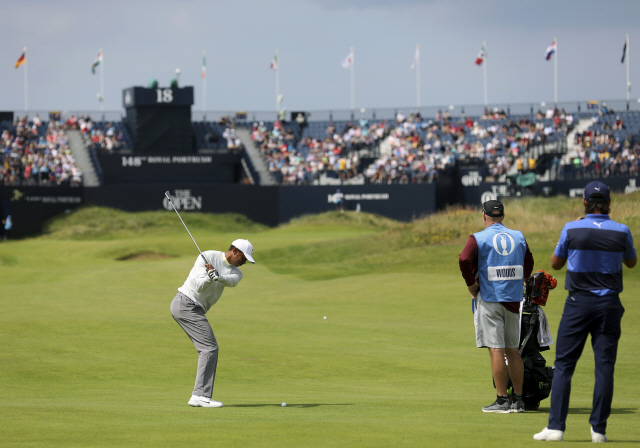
pixel 212 272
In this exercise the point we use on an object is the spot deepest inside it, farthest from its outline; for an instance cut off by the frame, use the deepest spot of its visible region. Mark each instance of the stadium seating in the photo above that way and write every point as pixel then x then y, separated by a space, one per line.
pixel 416 149
pixel 608 147
pixel 107 136
pixel 209 135
pixel 36 153
pixel 301 155
pixel 423 149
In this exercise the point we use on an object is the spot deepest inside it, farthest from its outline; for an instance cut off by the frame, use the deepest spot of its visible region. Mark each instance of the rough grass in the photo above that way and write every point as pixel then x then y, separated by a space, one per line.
pixel 536 217
pixel 144 255
pixel 102 222
pixel 360 220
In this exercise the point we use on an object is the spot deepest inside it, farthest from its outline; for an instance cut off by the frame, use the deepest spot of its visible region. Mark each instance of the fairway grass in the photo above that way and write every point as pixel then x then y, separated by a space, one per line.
pixel 91 357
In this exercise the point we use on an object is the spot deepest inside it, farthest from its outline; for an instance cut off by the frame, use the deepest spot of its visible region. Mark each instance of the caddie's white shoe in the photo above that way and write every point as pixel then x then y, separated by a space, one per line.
pixel 550 435
pixel 596 437
pixel 204 402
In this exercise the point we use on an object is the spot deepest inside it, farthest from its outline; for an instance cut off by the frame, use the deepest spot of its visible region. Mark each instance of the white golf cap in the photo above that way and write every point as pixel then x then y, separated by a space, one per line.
pixel 245 247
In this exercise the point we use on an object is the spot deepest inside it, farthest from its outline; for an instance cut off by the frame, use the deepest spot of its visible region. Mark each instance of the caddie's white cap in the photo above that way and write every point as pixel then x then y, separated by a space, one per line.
pixel 246 248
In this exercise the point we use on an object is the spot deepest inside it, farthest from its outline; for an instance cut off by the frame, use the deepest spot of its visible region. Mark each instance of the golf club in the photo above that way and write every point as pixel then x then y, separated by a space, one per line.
pixel 166 193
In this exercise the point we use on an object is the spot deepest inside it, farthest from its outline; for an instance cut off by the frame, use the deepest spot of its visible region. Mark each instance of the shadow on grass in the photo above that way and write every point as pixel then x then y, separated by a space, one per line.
pixel 624 441
pixel 305 405
pixel 587 411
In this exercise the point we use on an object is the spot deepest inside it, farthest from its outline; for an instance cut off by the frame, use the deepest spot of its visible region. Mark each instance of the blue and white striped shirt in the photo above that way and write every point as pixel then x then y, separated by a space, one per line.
pixel 594 248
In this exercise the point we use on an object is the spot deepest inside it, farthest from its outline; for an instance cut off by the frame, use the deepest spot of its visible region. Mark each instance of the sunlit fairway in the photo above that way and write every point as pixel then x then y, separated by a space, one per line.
pixel 90 355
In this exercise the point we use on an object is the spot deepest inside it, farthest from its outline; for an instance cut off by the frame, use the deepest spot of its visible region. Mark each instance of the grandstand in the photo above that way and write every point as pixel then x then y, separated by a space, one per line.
pixel 591 140
pixel 210 135
pixel 399 149
pixel 105 135
pixel 37 152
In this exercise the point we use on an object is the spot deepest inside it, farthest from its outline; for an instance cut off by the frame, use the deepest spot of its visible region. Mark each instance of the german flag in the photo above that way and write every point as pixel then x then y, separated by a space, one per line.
pixel 22 59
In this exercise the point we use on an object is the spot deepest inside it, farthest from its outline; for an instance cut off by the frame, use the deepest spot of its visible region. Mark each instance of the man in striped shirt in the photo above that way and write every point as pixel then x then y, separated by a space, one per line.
pixel 594 249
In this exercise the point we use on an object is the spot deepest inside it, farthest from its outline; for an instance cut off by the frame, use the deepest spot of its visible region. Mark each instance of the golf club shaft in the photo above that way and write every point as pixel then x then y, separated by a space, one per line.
pixel 185 226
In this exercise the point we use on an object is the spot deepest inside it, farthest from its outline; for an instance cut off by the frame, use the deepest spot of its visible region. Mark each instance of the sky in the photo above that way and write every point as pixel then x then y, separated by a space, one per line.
pixel 143 39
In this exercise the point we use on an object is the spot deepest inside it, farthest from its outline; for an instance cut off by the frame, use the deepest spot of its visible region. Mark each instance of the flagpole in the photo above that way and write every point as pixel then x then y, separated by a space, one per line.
pixel 353 97
pixel 277 82
pixel 26 83
pixel 418 76
pixel 204 86
pixel 555 74
pixel 102 84
pixel 484 69
pixel 628 83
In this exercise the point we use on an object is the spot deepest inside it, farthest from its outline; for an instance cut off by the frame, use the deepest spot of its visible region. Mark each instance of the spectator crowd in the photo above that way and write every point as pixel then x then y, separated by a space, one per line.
pixel 421 149
pixel 416 150
pixel 98 136
pixel 302 161
pixel 37 153
pixel 606 149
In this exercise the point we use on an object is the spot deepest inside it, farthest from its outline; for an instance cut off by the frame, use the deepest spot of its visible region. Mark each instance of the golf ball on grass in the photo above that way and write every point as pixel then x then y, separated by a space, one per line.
pixel 284 405
pixel 325 317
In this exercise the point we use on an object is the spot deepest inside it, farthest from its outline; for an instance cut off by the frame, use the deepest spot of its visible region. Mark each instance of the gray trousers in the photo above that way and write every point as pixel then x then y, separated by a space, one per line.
pixel 191 318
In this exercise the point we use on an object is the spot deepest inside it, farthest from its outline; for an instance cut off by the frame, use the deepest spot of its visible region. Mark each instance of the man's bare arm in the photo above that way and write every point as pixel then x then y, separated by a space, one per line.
pixel 557 263
pixel 630 263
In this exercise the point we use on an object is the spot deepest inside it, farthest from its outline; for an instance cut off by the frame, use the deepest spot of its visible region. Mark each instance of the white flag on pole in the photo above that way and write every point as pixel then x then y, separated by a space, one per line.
pixel 416 59
pixel 348 61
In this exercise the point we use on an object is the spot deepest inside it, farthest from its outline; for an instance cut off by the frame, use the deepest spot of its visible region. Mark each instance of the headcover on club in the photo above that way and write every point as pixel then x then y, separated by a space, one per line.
pixel 245 247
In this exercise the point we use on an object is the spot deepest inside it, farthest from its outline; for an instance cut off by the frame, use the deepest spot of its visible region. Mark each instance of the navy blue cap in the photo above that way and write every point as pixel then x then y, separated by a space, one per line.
pixel 596 191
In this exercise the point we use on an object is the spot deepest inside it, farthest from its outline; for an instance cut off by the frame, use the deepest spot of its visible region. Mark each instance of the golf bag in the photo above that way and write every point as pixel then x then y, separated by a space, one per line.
pixel 538 377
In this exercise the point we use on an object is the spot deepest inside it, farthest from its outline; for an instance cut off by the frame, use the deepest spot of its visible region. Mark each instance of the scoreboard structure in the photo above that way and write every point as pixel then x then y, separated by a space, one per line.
pixel 159 119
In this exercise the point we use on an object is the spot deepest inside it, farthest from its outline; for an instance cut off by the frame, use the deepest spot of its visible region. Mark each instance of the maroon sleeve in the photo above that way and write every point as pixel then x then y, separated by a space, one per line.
pixel 468 261
pixel 514 307
pixel 528 263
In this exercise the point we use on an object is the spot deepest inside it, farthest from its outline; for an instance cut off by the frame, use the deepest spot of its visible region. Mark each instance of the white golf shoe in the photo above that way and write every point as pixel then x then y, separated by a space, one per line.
pixel 596 437
pixel 203 402
pixel 550 435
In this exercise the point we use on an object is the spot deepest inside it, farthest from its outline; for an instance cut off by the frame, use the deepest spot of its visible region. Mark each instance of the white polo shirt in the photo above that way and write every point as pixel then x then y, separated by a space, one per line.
pixel 202 289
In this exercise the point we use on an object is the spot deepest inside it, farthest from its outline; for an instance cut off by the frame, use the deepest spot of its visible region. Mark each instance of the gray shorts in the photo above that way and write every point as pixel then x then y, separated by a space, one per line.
pixel 496 327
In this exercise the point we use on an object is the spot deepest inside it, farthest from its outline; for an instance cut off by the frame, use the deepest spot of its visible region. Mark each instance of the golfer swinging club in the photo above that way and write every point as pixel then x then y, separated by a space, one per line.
pixel 201 291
